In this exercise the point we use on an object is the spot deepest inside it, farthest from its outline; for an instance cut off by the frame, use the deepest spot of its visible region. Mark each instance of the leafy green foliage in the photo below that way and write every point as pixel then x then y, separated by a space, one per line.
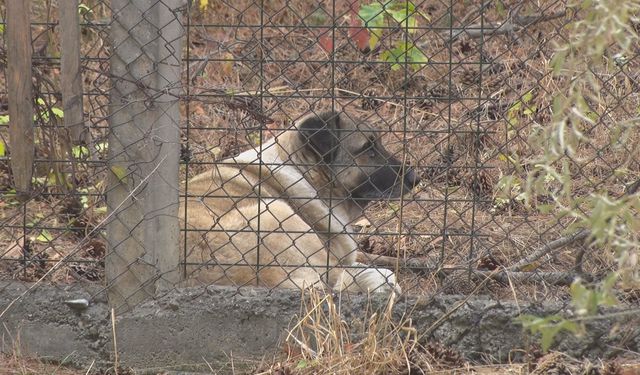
pixel 84 10
pixel 44 236
pixel 548 327
pixel 403 12
pixel 521 107
pixel 44 112
pixel 101 147
pixel 587 300
pixel 373 18
pixel 254 138
pixel 305 364
pixel 373 14
pixel 376 16
pixel 10 198
pixel 404 53
pixel 582 65
pixel 53 178
pixel 3 148
pixel 84 198
pixel 120 172
pixel 79 152
pixel 500 8
pixel 509 189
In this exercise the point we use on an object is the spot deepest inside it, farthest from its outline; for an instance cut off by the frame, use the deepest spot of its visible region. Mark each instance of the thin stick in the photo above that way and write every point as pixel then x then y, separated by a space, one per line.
pixel 547 248
pixel 208 364
pixel 90 367
pixel 281 90
pixel 580 235
pixel 549 277
pixel 115 344
pixel 505 27
pixel 410 263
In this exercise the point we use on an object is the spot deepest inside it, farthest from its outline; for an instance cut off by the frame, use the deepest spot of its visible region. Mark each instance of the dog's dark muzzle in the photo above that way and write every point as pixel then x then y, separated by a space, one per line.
pixel 386 183
pixel 411 178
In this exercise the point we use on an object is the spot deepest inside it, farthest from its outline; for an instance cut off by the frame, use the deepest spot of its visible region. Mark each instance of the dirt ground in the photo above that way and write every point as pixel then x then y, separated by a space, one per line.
pixel 553 363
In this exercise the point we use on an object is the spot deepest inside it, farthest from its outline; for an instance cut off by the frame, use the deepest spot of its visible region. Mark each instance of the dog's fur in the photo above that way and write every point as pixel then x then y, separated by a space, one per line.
pixel 281 218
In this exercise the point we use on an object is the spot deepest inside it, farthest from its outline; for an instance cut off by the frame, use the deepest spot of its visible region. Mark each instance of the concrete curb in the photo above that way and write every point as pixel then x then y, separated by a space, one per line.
pixel 185 327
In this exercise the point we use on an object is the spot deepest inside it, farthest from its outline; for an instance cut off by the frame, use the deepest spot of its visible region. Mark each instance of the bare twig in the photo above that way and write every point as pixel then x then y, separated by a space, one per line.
pixel 115 344
pixel 90 367
pixel 418 264
pixel 533 19
pixel 208 364
pixel 512 24
pixel 580 235
pixel 551 278
pixel 632 188
pixel 429 265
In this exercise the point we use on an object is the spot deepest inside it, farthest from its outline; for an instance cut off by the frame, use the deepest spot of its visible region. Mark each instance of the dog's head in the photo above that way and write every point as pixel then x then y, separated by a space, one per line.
pixel 355 158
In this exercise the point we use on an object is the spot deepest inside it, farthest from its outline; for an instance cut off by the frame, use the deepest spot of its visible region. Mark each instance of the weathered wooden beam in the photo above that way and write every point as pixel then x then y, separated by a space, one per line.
pixel 21 132
pixel 144 150
pixel 71 77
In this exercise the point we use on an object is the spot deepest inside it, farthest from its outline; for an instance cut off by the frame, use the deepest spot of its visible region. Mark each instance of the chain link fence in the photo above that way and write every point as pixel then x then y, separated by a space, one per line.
pixel 355 145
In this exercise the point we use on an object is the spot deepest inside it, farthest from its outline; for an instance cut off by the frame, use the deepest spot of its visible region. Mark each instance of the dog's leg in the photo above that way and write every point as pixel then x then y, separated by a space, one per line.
pixel 366 279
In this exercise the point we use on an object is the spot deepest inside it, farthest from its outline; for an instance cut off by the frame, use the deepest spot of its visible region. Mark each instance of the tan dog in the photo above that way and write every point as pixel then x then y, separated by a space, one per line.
pixel 280 217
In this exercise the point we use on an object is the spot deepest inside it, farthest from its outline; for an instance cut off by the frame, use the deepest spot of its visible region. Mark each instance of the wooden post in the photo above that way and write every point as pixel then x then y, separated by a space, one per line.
pixel 21 133
pixel 144 150
pixel 71 78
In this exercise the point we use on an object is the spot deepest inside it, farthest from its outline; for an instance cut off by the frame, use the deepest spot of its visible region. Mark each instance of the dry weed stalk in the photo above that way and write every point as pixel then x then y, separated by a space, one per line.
pixel 322 341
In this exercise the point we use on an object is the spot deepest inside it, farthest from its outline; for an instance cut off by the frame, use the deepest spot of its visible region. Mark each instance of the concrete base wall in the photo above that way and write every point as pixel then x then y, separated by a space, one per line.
pixel 185 327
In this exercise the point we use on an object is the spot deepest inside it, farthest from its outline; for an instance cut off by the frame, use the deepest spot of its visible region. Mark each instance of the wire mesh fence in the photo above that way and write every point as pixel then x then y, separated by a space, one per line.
pixel 356 145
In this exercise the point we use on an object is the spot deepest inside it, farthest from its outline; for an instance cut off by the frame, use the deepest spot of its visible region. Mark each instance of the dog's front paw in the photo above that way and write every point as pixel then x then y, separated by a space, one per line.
pixel 361 278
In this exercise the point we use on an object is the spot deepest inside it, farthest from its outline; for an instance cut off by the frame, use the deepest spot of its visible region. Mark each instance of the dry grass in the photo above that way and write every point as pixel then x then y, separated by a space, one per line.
pixel 14 365
pixel 323 341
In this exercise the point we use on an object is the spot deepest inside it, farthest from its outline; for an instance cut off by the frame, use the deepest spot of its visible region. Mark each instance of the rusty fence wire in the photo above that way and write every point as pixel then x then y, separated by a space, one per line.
pixel 357 145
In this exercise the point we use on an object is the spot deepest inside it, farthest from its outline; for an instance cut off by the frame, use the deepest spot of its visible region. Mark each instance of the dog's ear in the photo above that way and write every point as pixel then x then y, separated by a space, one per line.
pixel 320 133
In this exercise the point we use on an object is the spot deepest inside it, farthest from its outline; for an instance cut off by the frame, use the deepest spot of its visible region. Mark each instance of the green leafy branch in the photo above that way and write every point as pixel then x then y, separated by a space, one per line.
pixel 403 13
pixel 601 33
pixel 586 302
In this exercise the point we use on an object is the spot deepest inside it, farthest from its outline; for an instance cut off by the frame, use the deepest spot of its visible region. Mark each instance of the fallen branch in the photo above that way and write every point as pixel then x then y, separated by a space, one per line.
pixel 414 264
pixel 632 188
pixel 512 24
pixel 551 278
pixel 504 276
pixel 580 235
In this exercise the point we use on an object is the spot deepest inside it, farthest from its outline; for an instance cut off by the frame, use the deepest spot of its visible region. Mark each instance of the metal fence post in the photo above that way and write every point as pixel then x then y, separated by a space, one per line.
pixel 144 148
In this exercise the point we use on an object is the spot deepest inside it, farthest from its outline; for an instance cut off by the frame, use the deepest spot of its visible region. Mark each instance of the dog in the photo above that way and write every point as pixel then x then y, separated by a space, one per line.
pixel 280 216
